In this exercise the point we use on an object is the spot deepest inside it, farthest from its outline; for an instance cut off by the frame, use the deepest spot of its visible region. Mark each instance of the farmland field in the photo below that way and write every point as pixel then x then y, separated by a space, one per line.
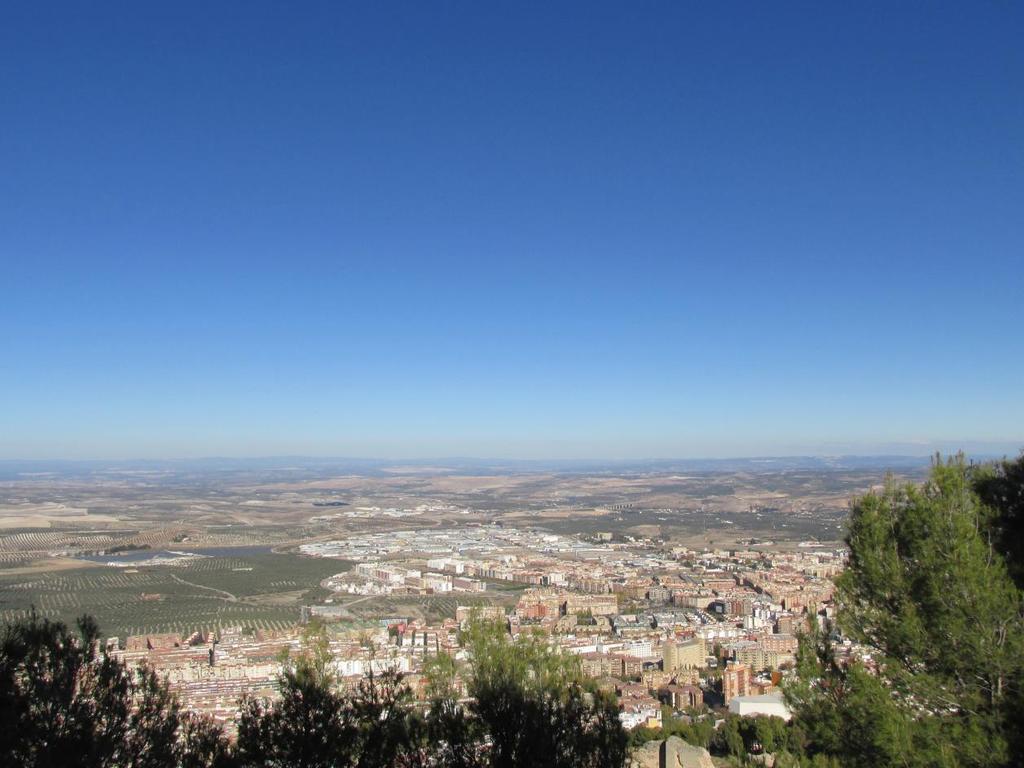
pixel 260 590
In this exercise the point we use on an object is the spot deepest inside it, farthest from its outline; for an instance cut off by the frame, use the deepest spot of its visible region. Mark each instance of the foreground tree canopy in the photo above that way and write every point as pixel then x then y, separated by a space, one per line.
pixel 64 703
pixel 934 587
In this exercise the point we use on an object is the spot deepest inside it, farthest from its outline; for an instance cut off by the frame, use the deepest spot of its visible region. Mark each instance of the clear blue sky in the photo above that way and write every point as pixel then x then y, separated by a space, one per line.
pixel 518 229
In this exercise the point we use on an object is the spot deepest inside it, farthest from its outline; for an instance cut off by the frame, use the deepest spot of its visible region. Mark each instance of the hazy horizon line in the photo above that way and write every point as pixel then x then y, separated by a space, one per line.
pixel 924 454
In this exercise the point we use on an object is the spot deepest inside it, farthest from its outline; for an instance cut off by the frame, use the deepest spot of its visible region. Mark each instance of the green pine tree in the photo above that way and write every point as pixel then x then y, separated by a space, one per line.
pixel 929 589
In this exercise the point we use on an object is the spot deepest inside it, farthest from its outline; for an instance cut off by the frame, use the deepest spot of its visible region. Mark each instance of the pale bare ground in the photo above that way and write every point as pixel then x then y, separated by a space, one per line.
pixel 421 483
pixel 45 515
pixel 33 521
pixel 346 482
pixel 49 565
pixel 477 483
pixel 414 470
pixel 46 509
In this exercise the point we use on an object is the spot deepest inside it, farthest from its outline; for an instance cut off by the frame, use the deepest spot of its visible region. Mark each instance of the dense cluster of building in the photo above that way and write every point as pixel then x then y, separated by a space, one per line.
pixel 377 578
pixel 659 626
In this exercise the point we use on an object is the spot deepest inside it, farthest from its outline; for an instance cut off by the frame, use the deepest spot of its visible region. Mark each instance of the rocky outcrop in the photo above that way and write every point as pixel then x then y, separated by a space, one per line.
pixel 673 752
pixel 647 755
pixel 676 753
